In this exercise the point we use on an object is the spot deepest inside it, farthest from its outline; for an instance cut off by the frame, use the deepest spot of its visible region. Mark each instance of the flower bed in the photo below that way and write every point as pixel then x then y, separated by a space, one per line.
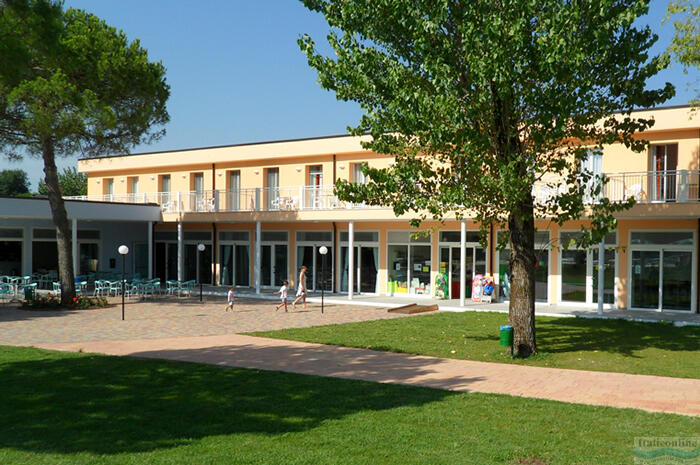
pixel 54 302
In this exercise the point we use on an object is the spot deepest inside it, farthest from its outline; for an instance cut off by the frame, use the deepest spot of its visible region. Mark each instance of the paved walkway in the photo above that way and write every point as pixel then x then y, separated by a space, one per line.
pixel 170 317
pixel 653 393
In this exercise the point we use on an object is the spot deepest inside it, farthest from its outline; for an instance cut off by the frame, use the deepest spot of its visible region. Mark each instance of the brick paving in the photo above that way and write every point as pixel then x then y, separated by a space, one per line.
pixel 169 317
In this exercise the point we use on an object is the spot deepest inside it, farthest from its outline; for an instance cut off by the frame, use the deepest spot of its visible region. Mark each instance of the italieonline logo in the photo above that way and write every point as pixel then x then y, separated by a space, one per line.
pixel 662 451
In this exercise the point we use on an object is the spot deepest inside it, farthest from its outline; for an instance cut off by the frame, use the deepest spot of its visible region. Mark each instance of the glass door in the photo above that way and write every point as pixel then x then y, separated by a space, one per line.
pixel 664 165
pixel 366 262
pixel 368 266
pixel 676 280
pixel 166 261
pixel 226 272
pixel 198 264
pixel 266 265
pixel 234 192
pixel 279 269
pixel 235 264
pixel 573 275
pixel 314 186
pixel 273 264
pixel 273 188
pixel 645 278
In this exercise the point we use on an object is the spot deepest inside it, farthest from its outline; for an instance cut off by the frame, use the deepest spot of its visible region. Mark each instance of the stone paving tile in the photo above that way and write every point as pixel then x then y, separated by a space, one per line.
pixel 169 317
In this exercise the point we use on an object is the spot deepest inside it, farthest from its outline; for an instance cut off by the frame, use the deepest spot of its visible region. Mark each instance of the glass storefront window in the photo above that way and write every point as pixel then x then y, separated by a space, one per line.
pixel 420 269
pixel 398 269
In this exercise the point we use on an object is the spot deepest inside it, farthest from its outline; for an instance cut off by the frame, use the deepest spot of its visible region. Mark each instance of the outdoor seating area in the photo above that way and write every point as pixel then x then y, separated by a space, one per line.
pixel 13 288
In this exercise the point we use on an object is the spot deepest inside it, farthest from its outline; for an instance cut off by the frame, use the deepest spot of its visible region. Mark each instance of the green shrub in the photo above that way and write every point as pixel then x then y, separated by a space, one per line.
pixel 54 301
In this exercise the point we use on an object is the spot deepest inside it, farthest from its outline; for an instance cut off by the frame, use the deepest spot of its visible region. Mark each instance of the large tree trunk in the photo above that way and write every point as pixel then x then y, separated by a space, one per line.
pixel 60 219
pixel 521 312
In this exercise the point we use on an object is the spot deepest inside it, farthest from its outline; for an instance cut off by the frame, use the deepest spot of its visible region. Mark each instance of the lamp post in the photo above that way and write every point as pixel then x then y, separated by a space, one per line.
pixel 323 250
pixel 200 247
pixel 123 250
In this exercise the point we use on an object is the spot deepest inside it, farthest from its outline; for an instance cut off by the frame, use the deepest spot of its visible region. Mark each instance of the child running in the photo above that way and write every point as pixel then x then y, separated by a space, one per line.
pixel 230 299
pixel 283 296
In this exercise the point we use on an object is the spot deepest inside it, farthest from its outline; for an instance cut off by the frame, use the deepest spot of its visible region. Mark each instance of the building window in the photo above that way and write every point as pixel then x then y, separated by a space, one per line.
pixel 357 175
pixel 409 261
pixel 108 188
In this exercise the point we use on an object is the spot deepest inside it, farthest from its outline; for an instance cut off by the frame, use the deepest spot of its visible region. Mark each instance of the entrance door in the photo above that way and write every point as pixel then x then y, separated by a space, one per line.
pixel 451 256
pixel 661 279
pixel 198 264
pixel 166 261
pixel 273 264
pixel 645 278
pixel 235 264
pixel 366 262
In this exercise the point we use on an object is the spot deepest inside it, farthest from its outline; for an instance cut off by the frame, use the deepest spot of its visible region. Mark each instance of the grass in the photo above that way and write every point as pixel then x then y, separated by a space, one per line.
pixel 577 343
pixel 66 408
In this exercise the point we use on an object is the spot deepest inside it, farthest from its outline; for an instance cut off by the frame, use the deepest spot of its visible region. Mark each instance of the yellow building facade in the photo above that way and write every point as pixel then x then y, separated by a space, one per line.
pixel 263 210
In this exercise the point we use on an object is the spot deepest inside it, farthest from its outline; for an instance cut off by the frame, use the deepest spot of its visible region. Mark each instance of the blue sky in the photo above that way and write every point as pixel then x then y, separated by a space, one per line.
pixel 237 75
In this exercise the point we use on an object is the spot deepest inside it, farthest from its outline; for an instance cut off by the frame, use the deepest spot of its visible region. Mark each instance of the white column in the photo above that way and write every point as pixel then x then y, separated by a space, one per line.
pixel 601 274
pixel 256 271
pixel 74 238
pixel 27 251
pixel 150 250
pixel 351 258
pixel 462 262
pixel 180 268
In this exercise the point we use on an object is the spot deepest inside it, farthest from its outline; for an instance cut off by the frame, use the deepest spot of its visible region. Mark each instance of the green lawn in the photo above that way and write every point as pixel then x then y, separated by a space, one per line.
pixel 64 408
pixel 577 343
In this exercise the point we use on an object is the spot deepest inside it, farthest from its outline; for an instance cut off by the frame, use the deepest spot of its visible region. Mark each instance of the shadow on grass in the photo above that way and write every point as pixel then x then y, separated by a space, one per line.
pixel 66 403
pixel 562 335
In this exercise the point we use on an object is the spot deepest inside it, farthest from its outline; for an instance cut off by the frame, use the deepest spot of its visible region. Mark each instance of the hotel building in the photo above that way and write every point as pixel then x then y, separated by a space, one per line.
pixel 263 210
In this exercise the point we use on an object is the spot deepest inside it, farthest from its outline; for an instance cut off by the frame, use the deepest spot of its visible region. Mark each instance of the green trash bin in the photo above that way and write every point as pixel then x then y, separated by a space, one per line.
pixel 506 335
pixel 28 293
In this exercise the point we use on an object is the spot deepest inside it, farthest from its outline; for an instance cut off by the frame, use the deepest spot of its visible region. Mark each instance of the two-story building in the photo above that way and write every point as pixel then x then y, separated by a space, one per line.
pixel 263 210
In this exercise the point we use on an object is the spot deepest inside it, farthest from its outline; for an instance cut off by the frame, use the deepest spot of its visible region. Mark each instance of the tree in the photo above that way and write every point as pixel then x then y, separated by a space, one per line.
pixel 479 101
pixel 13 182
pixel 685 45
pixel 72 84
pixel 70 182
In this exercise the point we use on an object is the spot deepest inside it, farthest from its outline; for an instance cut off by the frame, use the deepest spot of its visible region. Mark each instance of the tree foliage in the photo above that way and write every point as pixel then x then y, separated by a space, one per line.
pixel 70 181
pixel 69 83
pixel 14 182
pixel 481 102
pixel 685 45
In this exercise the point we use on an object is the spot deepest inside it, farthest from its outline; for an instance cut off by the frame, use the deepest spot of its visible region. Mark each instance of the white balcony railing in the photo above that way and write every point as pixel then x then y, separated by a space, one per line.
pixel 645 187
pixel 298 198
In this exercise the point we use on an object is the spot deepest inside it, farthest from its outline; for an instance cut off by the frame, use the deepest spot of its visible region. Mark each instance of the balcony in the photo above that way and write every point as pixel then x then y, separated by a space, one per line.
pixel 679 186
pixel 646 187
pixel 297 198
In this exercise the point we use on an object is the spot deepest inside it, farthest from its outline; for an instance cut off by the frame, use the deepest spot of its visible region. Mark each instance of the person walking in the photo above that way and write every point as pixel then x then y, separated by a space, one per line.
pixel 283 296
pixel 301 288
pixel 230 298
